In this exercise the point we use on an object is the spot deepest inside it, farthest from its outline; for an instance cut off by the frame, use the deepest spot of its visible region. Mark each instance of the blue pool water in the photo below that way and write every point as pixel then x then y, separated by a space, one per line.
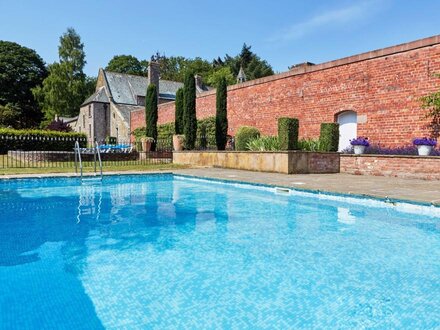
pixel 165 252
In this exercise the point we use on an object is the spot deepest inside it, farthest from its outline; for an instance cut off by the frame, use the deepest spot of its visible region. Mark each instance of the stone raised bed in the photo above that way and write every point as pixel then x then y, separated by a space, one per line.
pixel 288 162
pixel 411 167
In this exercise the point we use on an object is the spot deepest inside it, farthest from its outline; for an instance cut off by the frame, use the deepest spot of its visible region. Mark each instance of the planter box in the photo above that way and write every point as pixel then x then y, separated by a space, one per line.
pixel 289 162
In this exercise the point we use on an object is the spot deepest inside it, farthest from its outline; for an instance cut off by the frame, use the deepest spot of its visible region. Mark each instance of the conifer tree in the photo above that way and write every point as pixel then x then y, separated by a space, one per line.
pixel 151 113
pixel 178 123
pixel 221 118
pixel 190 119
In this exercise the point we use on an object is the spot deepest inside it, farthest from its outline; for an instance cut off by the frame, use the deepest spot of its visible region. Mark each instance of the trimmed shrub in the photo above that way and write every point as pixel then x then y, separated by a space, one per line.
pixel 244 135
pixel 39 140
pixel 178 124
pixel 221 117
pixel 264 143
pixel 329 137
pixel 288 133
pixel 189 112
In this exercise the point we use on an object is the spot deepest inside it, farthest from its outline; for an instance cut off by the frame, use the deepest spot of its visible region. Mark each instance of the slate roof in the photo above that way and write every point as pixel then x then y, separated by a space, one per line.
pixel 99 96
pixel 125 87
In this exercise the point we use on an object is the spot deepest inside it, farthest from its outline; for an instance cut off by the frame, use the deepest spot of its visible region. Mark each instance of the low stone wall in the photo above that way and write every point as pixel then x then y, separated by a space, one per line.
pixel 412 167
pixel 288 162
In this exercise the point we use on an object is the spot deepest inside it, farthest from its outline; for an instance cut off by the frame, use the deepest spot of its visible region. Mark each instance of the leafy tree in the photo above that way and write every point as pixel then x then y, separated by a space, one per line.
pixel 217 76
pixel 221 117
pixel 151 113
pixel 189 112
pixel 127 64
pixel 59 125
pixel 431 103
pixel 21 69
pixel 178 123
pixel 66 87
pixel 10 115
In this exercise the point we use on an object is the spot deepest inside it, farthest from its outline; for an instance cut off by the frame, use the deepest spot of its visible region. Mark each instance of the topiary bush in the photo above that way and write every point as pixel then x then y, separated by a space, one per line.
pixel 288 133
pixel 329 137
pixel 39 140
pixel 244 135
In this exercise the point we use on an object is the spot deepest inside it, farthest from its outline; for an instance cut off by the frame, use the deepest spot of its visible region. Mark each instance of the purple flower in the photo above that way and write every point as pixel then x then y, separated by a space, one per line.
pixel 360 141
pixel 425 142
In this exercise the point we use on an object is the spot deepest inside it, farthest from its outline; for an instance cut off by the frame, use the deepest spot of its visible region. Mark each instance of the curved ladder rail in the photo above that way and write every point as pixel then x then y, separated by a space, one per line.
pixel 96 158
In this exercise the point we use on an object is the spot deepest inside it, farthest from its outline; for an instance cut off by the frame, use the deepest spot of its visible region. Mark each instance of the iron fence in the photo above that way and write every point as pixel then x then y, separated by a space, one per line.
pixel 40 152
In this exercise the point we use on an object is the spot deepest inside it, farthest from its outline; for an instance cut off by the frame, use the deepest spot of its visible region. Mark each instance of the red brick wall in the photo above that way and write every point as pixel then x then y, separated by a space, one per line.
pixel 411 167
pixel 383 87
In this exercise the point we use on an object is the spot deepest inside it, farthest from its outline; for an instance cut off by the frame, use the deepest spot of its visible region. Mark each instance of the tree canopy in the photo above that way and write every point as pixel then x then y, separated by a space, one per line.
pixel 67 86
pixel 21 69
pixel 127 64
pixel 175 68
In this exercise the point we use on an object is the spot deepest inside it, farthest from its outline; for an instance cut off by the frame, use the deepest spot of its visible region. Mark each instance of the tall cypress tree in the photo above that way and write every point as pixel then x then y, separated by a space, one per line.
pixel 178 123
pixel 151 113
pixel 190 121
pixel 221 117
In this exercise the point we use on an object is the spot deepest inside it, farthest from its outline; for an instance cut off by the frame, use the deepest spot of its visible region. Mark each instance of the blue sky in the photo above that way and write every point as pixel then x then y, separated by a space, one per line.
pixel 282 32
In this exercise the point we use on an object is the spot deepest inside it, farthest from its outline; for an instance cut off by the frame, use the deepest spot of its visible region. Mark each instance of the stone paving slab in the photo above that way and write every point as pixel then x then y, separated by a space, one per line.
pixel 376 186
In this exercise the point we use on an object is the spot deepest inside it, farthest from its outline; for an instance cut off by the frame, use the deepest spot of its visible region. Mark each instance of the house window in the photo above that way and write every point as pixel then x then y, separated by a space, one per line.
pixel 114 115
pixel 140 100
pixel 84 120
pixel 90 130
pixel 90 111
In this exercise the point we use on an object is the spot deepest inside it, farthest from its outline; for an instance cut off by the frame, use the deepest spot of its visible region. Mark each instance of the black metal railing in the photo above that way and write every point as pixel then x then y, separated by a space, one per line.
pixel 51 153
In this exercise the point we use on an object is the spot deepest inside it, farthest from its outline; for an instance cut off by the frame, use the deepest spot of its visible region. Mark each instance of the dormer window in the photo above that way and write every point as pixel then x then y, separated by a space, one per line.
pixel 140 100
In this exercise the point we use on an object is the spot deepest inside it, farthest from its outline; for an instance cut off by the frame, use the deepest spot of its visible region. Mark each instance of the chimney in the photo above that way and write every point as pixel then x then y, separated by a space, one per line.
pixel 153 74
pixel 199 82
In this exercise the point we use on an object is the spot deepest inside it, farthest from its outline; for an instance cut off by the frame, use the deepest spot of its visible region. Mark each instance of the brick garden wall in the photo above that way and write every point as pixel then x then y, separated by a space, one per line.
pixel 410 167
pixel 383 87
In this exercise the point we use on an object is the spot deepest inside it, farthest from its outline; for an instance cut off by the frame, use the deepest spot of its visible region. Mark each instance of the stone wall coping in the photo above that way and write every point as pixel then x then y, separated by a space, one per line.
pixel 392 156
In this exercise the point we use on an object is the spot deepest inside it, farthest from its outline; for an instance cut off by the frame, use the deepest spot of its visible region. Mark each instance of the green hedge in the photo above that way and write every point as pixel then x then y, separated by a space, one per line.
pixel 39 140
pixel 329 137
pixel 288 133
pixel 244 135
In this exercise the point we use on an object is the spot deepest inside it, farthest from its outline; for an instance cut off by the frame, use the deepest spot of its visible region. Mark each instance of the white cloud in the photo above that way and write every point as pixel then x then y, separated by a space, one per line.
pixel 336 17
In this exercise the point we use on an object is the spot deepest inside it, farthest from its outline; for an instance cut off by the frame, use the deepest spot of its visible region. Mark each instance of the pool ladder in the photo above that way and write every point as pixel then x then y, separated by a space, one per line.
pixel 96 160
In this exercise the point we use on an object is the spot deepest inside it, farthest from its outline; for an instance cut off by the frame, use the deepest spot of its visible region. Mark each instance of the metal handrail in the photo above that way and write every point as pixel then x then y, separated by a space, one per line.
pixel 78 158
pixel 96 158
pixel 98 152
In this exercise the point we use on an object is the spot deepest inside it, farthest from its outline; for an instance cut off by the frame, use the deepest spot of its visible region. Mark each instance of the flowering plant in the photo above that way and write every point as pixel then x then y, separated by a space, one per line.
pixel 425 142
pixel 360 141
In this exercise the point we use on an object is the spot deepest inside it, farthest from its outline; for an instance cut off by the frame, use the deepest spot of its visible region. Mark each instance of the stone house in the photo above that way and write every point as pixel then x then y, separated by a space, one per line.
pixel 107 112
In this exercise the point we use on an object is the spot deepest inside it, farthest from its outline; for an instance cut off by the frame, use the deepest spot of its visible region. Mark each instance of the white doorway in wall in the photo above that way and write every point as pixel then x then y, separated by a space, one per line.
pixel 347 128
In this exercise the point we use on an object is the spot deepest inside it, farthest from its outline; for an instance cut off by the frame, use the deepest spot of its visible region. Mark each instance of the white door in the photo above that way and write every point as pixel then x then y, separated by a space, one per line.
pixel 347 128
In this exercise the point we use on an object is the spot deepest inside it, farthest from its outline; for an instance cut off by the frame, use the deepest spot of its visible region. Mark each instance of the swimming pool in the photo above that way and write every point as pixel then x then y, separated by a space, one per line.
pixel 164 251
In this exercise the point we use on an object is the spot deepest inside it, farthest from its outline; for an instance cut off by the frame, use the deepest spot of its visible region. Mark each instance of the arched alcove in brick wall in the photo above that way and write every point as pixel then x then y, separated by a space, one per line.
pixel 347 120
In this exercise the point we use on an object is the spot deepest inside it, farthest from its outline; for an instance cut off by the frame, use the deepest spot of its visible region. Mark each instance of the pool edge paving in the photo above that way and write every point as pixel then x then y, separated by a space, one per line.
pixel 388 189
